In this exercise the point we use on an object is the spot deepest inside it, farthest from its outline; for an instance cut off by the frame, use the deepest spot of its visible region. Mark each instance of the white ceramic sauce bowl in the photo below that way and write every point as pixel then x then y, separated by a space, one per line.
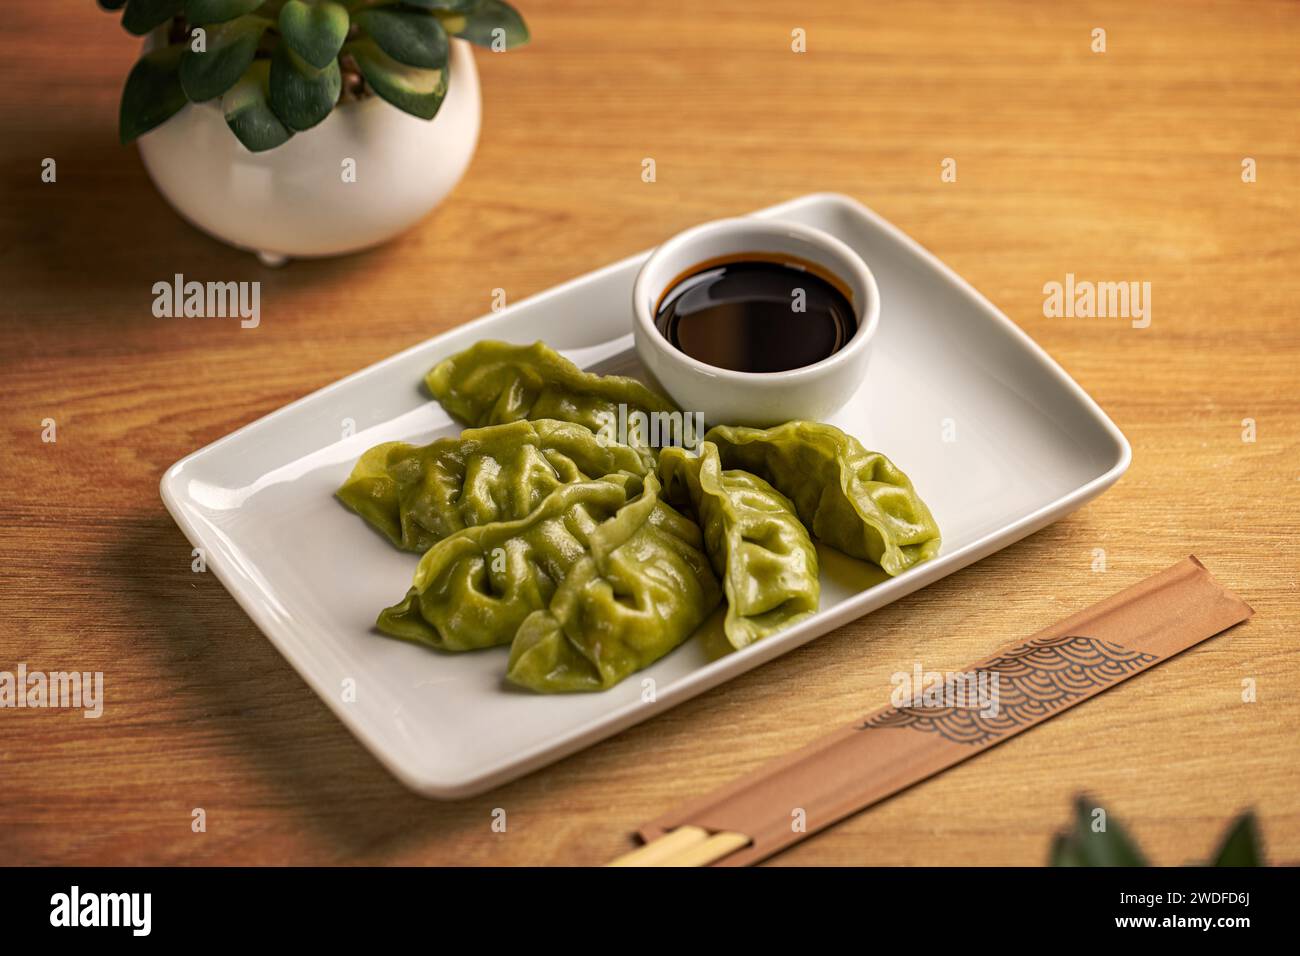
pixel 727 397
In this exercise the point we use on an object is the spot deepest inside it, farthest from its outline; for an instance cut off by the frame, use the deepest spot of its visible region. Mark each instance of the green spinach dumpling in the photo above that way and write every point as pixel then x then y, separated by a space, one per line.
pixel 855 500
pixel 494 382
pixel 753 538
pixel 474 588
pixel 642 588
pixel 418 495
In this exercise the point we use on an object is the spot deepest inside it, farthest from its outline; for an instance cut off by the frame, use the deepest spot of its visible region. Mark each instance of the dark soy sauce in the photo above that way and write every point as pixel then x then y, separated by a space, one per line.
pixel 745 316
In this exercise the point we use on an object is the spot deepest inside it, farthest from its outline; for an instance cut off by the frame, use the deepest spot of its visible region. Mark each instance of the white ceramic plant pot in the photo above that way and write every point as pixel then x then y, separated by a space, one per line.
pixel 294 201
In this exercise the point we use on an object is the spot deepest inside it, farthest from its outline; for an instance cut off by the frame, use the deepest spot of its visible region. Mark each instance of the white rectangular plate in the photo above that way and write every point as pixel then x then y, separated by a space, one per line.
pixel 1032 446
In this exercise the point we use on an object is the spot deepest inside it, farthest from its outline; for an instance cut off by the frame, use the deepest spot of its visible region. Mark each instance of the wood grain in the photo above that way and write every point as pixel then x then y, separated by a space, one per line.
pixel 1117 166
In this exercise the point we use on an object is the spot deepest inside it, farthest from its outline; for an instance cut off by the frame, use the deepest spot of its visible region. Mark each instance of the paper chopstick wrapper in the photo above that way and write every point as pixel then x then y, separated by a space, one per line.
pixel 878 756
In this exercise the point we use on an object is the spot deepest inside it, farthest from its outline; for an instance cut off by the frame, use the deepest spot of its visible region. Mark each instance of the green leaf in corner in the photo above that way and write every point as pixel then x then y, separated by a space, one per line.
pixel 1109 847
pixel 490 23
pixel 203 12
pixel 407 36
pixel 229 50
pixel 315 31
pixel 411 89
pixel 1065 852
pixel 248 110
pixel 153 93
pixel 141 16
pixel 1240 846
pixel 302 95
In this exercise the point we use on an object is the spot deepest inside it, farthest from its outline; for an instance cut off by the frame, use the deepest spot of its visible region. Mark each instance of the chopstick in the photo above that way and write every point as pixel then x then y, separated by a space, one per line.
pixel 685 846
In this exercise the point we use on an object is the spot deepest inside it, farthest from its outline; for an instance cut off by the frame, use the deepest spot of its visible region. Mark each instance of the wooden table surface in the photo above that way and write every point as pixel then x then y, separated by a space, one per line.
pixel 1123 165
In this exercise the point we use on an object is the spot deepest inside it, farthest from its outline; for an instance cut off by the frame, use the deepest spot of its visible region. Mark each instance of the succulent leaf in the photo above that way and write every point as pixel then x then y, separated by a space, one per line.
pixel 486 18
pixel 1241 844
pixel 1065 851
pixel 247 107
pixel 411 89
pixel 315 31
pixel 203 12
pixel 302 95
pixel 1109 847
pixel 408 36
pixel 112 4
pixel 153 93
pixel 453 6
pixel 141 16
pixel 229 51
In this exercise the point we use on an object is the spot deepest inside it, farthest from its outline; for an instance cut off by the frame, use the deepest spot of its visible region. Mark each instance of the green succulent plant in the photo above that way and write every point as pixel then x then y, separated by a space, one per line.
pixel 1081 845
pixel 279 67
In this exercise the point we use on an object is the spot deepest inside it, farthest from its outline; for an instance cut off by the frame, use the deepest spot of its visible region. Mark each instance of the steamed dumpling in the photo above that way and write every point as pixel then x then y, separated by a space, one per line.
pixel 642 588
pixel 418 495
pixel 754 540
pixel 474 588
pixel 854 500
pixel 494 382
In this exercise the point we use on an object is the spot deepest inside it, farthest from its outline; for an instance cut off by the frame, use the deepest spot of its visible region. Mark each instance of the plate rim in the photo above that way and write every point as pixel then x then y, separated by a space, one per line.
pixel 459 785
